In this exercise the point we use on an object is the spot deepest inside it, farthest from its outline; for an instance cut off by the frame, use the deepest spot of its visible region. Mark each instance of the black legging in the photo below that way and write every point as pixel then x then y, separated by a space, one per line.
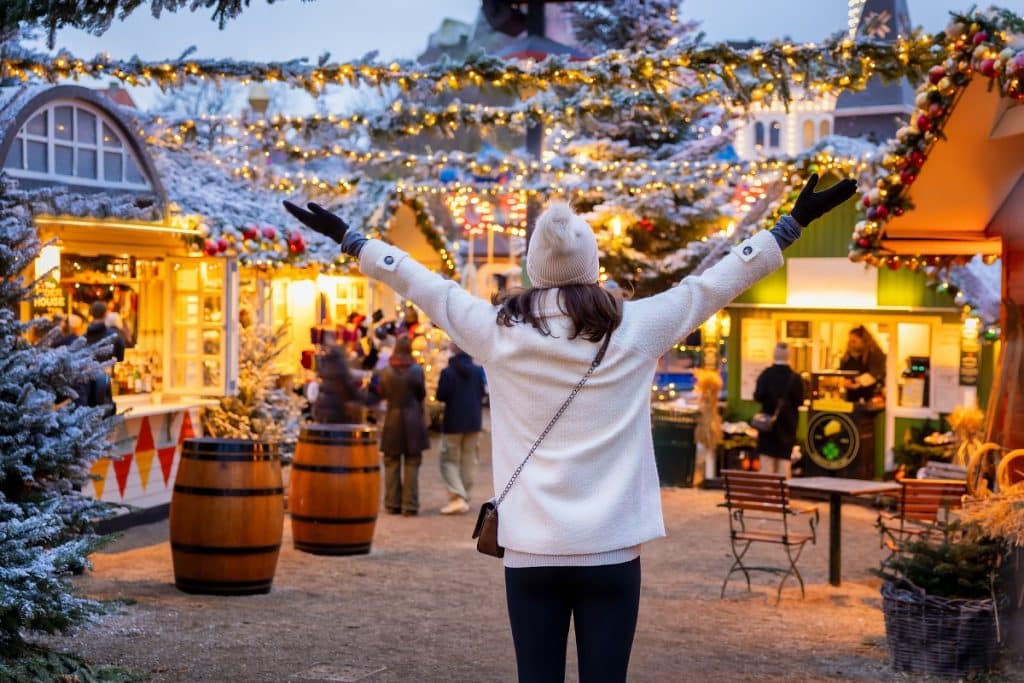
pixel 603 602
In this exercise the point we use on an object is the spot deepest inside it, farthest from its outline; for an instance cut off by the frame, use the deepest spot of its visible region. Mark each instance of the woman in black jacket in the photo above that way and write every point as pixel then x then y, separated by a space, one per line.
pixel 779 384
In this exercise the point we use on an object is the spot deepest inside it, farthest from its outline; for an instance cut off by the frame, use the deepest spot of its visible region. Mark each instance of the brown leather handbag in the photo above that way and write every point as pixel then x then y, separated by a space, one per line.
pixel 486 530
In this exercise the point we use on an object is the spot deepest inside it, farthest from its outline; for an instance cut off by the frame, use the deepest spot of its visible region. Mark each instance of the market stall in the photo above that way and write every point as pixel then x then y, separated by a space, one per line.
pixel 934 360
pixel 112 239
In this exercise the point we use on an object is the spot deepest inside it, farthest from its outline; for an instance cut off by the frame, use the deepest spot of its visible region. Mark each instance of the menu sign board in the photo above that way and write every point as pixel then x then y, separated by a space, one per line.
pixel 49 298
pixel 798 329
pixel 970 359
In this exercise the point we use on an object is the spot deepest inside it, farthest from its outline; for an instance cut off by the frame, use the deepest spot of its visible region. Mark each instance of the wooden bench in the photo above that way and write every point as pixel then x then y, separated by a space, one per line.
pixel 923 509
pixel 751 496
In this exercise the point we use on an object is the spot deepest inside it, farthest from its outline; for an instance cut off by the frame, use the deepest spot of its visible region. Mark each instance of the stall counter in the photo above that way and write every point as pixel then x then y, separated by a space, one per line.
pixel 145 451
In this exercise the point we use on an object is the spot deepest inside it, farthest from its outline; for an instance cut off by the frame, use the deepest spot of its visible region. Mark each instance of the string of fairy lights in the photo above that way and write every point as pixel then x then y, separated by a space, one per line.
pixel 753 74
pixel 405 119
pixel 555 93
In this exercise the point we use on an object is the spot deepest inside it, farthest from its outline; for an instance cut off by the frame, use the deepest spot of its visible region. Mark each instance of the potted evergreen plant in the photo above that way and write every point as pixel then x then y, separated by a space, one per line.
pixel 941 599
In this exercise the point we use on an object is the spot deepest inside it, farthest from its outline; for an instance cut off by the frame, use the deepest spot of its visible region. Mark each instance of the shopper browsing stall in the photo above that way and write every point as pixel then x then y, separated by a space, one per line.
pixel 781 393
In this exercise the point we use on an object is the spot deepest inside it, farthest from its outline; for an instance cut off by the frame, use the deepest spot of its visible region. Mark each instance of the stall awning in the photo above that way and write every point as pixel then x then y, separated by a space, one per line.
pixel 965 180
pixel 97 236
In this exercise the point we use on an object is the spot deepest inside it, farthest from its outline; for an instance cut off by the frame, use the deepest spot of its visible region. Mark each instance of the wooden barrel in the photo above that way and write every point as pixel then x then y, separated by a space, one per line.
pixel 227 517
pixel 334 489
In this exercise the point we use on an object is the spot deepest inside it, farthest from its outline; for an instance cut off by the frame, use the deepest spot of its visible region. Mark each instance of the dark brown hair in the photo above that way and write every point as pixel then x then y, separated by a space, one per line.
pixel 871 346
pixel 402 352
pixel 594 310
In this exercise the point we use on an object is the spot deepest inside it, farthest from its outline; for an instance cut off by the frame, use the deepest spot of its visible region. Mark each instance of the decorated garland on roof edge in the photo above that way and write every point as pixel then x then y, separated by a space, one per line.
pixel 977 43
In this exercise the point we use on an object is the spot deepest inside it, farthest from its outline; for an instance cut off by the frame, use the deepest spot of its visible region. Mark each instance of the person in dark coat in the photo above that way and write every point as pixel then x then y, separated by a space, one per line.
pixel 461 388
pixel 67 334
pixel 338 399
pixel 404 434
pixel 779 383
pixel 98 331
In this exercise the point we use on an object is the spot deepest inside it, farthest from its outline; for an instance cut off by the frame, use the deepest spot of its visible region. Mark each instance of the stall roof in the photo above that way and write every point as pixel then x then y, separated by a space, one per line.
pixel 966 179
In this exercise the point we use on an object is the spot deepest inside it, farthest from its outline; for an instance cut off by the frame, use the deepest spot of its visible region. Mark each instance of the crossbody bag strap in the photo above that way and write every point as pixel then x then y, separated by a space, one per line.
pixel 782 399
pixel 533 449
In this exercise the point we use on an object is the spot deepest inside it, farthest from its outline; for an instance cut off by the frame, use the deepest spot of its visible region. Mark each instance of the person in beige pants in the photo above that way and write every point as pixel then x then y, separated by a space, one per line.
pixel 461 388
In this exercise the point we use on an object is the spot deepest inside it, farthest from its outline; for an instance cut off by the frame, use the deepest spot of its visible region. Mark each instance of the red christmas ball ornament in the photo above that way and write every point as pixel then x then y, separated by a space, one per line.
pixel 210 247
pixel 935 110
pixel 1017 65
pixel 907 177
pixel 897 211
pixel 893 263
pixel 917 158
pixel 863 243
pixel 866 201
pixel 979 37
pixel 924 124
pixel 647 224
pixel 296 244
pixel 269 233
pixel 988 68
pixel 222 245
pixel 250 232
pixel 881 213
pixel 935 74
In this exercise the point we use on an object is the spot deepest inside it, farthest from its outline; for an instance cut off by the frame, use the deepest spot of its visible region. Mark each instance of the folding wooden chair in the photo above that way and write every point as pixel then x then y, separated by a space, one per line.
pixel 923 509
pixel 751 496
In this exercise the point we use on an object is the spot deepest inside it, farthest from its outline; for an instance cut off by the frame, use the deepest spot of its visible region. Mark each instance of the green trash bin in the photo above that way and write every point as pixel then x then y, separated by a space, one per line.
pixel 675 445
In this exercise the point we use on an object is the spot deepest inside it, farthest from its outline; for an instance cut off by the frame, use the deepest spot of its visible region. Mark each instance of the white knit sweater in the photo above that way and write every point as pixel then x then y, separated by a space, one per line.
pixel 592 486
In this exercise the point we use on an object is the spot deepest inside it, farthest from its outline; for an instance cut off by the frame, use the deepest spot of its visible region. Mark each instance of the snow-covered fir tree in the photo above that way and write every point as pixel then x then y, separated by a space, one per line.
pixel 47 445
pixel 261 410
pixel 650 239
pixel 633 25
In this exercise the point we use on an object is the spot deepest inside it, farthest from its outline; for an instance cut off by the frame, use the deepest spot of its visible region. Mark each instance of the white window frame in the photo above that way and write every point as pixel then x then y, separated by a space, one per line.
pixel 227 328
pixel 770 128
pixel 806 142
pixel 51 141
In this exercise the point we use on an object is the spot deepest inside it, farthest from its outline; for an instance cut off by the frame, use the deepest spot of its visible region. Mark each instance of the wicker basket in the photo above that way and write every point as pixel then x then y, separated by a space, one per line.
pixel 939 636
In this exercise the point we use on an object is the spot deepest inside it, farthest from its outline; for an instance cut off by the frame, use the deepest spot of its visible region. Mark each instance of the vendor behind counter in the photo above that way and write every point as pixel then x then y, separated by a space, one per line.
pixel 864 356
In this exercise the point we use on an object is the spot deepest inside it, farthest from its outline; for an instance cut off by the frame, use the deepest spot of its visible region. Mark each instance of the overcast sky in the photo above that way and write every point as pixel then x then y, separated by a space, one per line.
pixel 399 28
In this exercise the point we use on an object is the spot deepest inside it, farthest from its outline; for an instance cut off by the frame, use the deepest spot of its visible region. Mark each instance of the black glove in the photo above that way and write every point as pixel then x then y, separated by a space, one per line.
pixel 327 224
pixel 811 205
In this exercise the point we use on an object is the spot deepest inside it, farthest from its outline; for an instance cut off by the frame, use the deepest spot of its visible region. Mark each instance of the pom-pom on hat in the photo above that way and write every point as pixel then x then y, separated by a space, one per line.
pixel 563 249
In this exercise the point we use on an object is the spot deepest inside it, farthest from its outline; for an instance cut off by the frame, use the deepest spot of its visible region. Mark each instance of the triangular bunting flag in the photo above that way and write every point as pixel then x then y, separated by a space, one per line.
pixel 121 468
pixel 187 432
pixel 166 456
pixel 145 441
pixel 99 470
pixel 145 461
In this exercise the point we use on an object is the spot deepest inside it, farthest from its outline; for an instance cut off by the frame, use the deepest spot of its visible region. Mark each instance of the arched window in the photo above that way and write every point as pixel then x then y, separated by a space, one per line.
pixel 775 135
pixel 808 134
pixel 824 130
pixel 758 134
pixel 74 142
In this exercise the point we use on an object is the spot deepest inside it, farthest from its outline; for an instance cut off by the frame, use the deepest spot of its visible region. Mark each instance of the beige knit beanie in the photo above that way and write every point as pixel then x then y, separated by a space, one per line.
pixel 563 249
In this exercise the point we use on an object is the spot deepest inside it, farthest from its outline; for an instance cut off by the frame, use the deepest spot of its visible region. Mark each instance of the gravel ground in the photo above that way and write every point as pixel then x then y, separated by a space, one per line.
pixel 424 606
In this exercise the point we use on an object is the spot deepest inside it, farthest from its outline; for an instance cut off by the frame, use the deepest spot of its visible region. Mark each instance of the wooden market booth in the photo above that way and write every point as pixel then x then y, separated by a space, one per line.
pixel 112 238
pixel 968 198
pixel 814 300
